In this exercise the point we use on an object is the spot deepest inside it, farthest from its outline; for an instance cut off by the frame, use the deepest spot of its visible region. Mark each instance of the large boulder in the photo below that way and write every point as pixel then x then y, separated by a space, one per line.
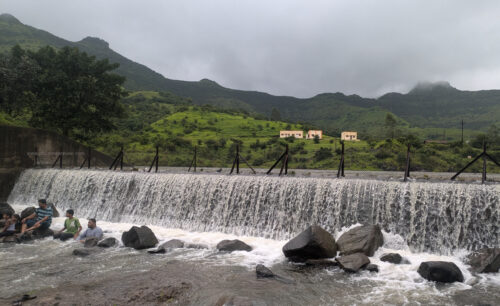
pixel 233 245
pixel 28 212
pixel 321 263
pixel 6 208
pixel 364 239
pixel 486 260
pixel 42 233
pixel 107 242
pixel 353 262
pixel 139 238
pixel 440 271
pixel 313 243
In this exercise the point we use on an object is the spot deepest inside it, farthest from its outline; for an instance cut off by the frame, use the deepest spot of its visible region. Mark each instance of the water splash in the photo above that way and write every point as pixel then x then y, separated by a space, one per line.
pixel 436 217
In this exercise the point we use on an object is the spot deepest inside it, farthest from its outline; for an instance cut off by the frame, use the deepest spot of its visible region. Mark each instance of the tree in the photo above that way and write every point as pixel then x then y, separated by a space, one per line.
pixel 316 139
pixel 275 115
pixel 76 94
pixel 390 124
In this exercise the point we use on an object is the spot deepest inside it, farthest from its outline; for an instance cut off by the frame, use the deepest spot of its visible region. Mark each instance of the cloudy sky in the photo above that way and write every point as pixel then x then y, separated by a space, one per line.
pixel 289 47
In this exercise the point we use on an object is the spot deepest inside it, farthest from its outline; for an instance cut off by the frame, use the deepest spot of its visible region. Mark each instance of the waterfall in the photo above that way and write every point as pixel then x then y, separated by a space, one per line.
pixel 430 216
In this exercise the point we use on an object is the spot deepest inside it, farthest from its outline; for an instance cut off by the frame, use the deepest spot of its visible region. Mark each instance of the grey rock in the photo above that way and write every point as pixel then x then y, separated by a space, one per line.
pixel 6 208
pixel 364 239
pixel 486 260
pixel 440 271
pixel 371 267
pixel 172 244
pixel 28 212
pixel 312 243
pixel 353 262
pixel 91 242
pixel 233 245
pixel 9 239
pixel 394 258
pixel 263 272
pixel 107 242
pixel 139 238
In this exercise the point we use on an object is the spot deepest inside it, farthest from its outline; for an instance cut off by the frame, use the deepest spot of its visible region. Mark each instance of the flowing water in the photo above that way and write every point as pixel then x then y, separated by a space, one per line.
pixel 421 221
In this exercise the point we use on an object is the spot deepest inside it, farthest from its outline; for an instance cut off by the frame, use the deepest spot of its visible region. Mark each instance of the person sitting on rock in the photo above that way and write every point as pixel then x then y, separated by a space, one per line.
pixel 10 224
pixel 43 219
pixel 91 232
pixel 71 227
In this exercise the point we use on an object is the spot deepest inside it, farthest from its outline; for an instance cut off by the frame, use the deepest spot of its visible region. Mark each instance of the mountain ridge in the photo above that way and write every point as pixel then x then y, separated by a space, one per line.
pixel 427 105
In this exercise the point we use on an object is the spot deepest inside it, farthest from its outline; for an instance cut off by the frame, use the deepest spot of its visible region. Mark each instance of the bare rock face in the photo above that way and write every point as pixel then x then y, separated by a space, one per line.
pixel 364 239
pixel 440 271
pixel 139 238
pixel 353 262
pixel 486 260
pixel 233 245
pixel 313 243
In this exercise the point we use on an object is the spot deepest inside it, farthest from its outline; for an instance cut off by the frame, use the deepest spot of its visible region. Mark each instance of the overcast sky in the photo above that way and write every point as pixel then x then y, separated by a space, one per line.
pixel 289 47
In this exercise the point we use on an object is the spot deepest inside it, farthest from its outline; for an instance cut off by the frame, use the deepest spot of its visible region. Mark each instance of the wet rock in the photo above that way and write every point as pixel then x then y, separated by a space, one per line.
pixel 371 267
pixel 313 243
pixel 139 238
pixel 364 239
pixel 28 212
pixel 353 262
pixel 9 239
pixel 394 258
pixel 6 208
pixel 196 246
pixel 321 263
pixel 91 242
pixel 172 244
pixel 233 245
pixel 55 212
pixel 85 252
pixel 486 260
pixel 107 242
pixel 440 271
pixel 42 233
pixel 158 251
pixel 263 272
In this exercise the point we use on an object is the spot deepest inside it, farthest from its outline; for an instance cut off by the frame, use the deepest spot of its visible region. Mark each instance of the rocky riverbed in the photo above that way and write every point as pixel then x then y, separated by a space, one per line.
pixel 186 275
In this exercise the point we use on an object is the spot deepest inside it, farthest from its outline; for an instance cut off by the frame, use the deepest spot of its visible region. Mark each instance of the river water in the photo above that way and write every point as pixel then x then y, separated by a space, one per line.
pixel 421 221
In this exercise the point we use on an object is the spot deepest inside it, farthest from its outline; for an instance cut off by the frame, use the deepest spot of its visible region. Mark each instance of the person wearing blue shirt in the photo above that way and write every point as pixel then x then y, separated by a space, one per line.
pixel 43 219
pixel 91 231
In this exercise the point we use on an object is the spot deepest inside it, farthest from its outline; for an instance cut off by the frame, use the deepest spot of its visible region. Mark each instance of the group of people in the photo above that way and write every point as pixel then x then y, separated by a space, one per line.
pixel 41 219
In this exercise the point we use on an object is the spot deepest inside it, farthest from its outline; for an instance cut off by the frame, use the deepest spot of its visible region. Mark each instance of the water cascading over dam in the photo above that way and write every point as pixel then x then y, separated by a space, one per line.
pixel 430 216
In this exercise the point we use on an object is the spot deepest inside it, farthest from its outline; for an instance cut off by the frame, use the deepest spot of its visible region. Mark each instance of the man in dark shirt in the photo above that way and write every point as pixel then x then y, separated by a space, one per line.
pixel 43 219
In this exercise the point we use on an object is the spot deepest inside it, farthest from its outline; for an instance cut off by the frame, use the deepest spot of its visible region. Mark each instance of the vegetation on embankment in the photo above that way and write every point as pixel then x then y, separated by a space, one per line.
pixel 176 126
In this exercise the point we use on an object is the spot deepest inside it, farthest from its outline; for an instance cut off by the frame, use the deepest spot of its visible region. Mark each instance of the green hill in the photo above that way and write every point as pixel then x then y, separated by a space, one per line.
pixel 426 110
